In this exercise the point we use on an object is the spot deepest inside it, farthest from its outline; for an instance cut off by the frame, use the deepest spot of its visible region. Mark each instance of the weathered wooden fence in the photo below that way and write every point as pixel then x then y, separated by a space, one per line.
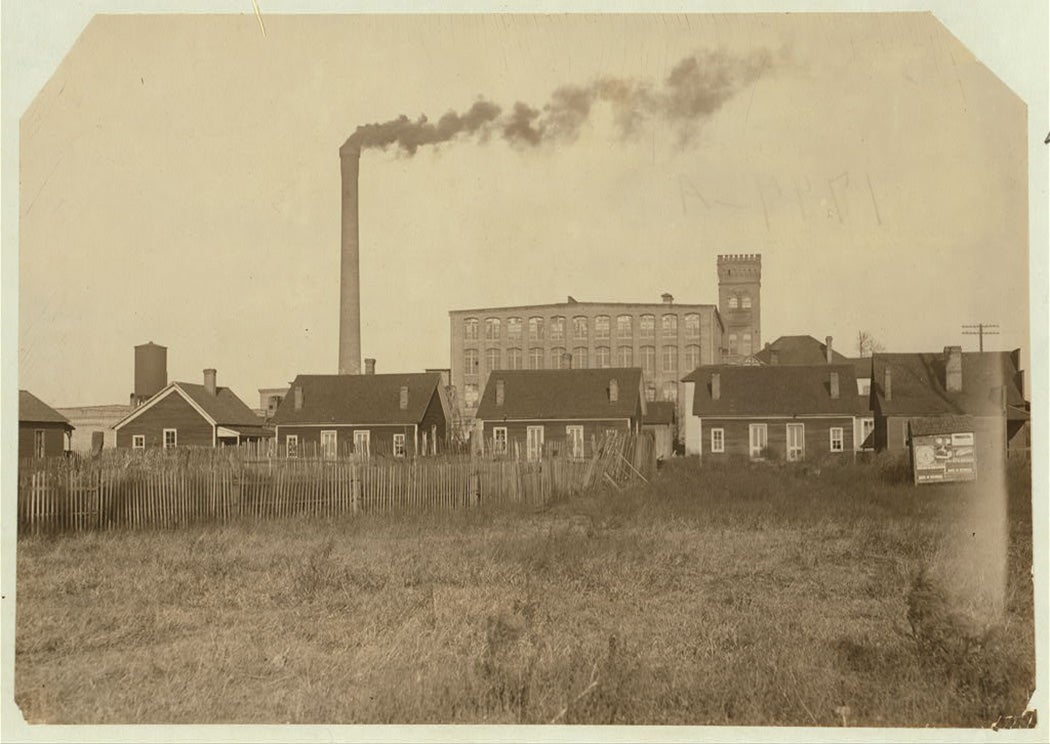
pixel 166 490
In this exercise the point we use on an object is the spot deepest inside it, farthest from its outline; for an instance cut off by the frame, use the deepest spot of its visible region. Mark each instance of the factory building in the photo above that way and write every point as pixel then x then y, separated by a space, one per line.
pixel 740 305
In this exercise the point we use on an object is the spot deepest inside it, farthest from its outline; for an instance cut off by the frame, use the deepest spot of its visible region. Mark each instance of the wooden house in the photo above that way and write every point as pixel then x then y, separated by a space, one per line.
pixel 529 412
pixel 42 431
pixel 391 414
pixel 185 414
pixel 791 412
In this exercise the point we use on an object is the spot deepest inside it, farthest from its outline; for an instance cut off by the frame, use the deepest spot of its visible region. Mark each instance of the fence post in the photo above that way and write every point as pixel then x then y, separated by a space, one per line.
pixel 355 489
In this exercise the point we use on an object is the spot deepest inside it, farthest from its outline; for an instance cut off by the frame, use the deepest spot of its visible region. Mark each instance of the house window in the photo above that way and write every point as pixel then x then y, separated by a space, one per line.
pixel 39 443
pixel 513 358
pixel 758 440
pixel 745 344
pixel 718 440
pixel 579 328
pixel 329 447
pixel 625 356
pixel 602 327
pixel 399 445
pixel 492 329
pixel 291 445
pixel 499 440
pixel 534 442
pixel 138 441
pixel 863 386
pixel 648 359
pixel 470 394
pixel 796 442
pixel 624 326
pixel 579 357
pixel 558 358
pixel 647 326
pixel 670 391
pixel 650 393
pixel 603 356
pixel 535 329
pixel 692 325
pixel 558 328
pixel 470 361
pixel 536 357
pixel 670 358
pixel 669 324
pixel 575 436
pixel 171 438
pixel 836 438
pixel 514 329
pixel 470 329
pixel 492 359
pixel 745 302
pixel 733 303
pixel 362 442
pixel 692 357
pixel 867 426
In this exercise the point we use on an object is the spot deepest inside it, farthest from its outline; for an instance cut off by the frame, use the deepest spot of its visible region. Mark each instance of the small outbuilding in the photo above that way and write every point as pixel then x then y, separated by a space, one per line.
pixel 42 431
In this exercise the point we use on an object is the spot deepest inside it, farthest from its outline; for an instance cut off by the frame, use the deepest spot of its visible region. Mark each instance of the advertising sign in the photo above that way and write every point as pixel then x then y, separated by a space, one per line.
pixel 940 458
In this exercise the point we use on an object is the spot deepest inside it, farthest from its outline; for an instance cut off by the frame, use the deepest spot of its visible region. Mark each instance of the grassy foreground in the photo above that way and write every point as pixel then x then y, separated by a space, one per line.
pixel 767 596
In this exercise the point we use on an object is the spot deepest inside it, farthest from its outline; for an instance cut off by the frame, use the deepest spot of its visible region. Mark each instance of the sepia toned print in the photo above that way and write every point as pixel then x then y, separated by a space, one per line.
pixel 612 370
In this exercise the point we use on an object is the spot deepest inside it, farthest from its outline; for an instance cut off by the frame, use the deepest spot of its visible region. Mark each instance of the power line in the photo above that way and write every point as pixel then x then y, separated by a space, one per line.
pixel 981 330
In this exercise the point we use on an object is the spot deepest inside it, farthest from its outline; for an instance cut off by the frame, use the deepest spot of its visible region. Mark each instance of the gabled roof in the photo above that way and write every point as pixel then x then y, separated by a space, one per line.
pixel 358 399
pixel 791 390
pixel 796 350
pixel 537 394
pixel 918 383
pixel 659 412
pixel 222 409
pixel 33 410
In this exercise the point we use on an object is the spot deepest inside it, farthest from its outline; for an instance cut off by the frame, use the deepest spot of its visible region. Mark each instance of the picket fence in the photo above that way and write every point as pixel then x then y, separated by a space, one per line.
pixel 167 491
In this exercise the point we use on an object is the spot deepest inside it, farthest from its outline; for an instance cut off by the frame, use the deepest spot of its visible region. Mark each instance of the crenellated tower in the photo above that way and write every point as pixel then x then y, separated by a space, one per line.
pixel 740 305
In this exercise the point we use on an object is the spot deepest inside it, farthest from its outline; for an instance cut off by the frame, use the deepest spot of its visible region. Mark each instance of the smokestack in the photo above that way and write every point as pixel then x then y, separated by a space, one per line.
pixel 370 366
pixel 350 277
pixel 209 381
pixel 834 385
pixel 953 381
pixel 887 385
pixel 827 348
pixel 716 386
pixel 499 392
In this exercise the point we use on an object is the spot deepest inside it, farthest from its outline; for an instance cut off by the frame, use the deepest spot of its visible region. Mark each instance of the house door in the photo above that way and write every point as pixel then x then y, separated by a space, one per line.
pixel 757 440
pixel 534 442
pixel 796 442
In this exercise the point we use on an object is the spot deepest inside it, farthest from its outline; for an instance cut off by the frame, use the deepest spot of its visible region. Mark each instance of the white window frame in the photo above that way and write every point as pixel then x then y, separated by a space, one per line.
pixel 471 355
pixel 867 427
pixel 470 329
pixel 536 357
pixel 669 358
pixel 692 330
pixel 291 445
pixel 499 440
pixel 832 441
pixel 138 441
pixel 599 353
pixel 798 453
pixel 175 438
pixel 534 442
pixel 329 449
pixel 363 436
pixel 399 445
pixel 602 327
pixel 574 435
pixel 757 433
pixel 718 440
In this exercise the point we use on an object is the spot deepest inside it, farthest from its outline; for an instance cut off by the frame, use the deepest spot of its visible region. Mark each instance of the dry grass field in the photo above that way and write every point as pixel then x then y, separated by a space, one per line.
pixel 763 596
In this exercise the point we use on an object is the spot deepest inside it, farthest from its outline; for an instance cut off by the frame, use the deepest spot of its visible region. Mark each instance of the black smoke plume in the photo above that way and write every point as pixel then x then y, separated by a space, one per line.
pixel 694 89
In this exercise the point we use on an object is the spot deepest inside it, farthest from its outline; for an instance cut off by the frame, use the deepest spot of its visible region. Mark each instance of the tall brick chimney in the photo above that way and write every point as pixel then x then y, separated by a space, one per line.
pixel 716 386
pixel 953 379
pixel 614 390
pixel 827 349
pixel 887 384
pixel 370 366
pixel 209 381
pixel 350 269
pixel 833 383
pixel 499 392
pixel 403 398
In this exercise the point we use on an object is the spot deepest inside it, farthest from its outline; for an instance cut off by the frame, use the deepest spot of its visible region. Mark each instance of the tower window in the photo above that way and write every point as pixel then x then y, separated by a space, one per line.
pixel 745 302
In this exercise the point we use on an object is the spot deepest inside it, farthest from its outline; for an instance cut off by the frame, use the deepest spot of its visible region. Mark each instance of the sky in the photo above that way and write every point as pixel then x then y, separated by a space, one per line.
pixel 180 184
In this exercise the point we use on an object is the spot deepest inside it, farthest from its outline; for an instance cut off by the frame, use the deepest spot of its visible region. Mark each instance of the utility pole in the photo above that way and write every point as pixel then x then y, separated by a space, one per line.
pixel 981 330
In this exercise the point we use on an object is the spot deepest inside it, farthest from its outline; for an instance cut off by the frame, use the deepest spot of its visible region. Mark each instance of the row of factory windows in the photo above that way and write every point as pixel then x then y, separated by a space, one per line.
pixel 668 391
pixel 740 301
pixel 580 358
pixel 555 329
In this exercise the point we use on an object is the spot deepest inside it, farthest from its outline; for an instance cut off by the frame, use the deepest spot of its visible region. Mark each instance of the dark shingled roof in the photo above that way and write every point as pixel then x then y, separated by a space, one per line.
pixel 358 399
pixel 33 410
pixel 799 350
pixel 225 407
pixel 918 383
pixel 659 412
pixel 776 390
pixel 562 394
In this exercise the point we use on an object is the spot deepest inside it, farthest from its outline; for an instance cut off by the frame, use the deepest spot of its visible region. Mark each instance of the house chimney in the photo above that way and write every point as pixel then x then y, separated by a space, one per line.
pixel 298 395
pixel 209 381
pixel 667 297
pixel 349 276
pixel 370 366
pixel 774 357
pixel 953 381
pixel 887 385
pixel 827 349
pixel 716 385
pixel 834 385
pixel 614 390
pixel 403 402
pixel 499 392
